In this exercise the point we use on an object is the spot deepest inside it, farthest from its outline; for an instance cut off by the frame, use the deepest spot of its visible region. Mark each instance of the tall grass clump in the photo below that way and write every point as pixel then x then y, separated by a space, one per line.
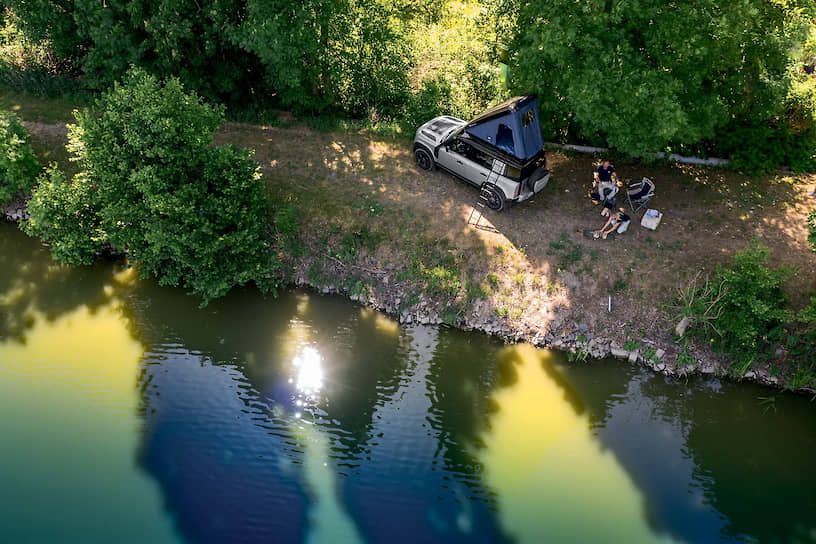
pixel 742 310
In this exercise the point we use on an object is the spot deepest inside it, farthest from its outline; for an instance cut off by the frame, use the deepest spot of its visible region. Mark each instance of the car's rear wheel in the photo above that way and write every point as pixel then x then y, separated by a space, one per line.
pixel 495 199
pixel 423 158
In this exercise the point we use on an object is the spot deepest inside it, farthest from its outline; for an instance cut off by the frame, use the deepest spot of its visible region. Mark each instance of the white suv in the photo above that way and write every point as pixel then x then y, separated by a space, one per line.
pixel 499 151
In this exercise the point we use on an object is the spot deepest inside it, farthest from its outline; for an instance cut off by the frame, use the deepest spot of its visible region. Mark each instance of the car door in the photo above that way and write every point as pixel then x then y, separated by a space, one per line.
pixel 462 159
pixel 452 158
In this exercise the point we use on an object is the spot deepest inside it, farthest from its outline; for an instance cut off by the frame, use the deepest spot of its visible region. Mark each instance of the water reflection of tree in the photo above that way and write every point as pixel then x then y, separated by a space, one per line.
pixel 471 368
pixel 403 488
pixel 462 379
pixel 756 462
pixel 589 387
pixel 224 461
pixel 32 282
pixel 362 361
pixel 466 371
pixel 253 340
pixel 711 458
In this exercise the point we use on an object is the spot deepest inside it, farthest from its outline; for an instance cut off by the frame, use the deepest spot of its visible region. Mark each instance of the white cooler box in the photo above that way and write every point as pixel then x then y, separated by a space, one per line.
pixel 651 219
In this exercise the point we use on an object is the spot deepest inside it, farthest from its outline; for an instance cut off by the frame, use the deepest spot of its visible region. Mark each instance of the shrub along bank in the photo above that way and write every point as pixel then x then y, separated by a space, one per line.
pixel 18 165
pixel 151 185
pixel 742 311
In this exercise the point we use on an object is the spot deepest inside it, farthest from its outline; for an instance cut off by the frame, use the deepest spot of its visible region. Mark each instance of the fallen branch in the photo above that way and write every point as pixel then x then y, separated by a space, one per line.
pixel 341 263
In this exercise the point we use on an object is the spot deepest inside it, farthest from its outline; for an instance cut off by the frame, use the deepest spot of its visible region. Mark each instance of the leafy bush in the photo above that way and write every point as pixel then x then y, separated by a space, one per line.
pixel 641 79
pixel 801 345
pixel 811 224
pixel 761 148
pixel 151 184
pixel 18 165
pixel 432 99
pixel 746 311
pixel 64 214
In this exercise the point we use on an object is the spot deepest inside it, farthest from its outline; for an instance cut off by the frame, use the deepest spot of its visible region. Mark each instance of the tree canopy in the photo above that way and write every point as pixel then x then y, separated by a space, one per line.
pixel 637 75
pixel 645 74
pixel 151 184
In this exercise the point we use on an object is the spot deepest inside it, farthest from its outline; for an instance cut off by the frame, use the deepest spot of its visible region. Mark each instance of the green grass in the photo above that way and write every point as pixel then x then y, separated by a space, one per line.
pixel 631 345
pixel 619 286
pixel 649 354
pixel 492 280
pixel 476 291
pixel 803 374
pixel 369 206
pixel 685 359
pixel 38 109
pixel 569 252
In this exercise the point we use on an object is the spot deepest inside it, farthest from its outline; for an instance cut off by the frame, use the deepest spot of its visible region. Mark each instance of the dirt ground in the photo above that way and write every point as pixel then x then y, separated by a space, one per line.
pixel 709 214
pixel 531 267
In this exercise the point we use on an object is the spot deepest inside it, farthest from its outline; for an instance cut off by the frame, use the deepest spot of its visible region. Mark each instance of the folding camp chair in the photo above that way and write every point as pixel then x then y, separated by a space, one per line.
pixel 639 193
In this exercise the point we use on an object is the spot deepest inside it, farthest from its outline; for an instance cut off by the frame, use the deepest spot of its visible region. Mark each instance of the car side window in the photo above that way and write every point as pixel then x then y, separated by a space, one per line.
pixel 480 158
pixel 458 146
pixel 471 153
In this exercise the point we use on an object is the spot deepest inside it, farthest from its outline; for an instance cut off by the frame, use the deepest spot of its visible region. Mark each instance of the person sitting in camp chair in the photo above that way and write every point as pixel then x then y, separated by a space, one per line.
pixel 618 220
pixel 606 186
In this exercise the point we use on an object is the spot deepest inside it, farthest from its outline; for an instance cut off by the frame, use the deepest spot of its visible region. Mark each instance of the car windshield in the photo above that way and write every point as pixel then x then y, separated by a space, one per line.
pixel 452 133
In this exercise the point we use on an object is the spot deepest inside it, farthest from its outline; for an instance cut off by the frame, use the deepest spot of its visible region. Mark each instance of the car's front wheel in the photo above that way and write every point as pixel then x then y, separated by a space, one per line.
pixel 495 199
pixel 423 158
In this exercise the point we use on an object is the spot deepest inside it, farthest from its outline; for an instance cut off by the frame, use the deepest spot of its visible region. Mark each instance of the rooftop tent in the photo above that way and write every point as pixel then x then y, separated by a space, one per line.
pixel 512 126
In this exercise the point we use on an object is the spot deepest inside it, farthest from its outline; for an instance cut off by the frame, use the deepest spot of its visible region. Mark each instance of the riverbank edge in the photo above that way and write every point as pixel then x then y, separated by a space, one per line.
pixel 574 338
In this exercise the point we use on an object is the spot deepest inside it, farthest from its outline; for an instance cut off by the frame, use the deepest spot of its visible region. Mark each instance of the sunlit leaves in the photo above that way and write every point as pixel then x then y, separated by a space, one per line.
pixel 639 75
pixel 151 185
pixel 18 165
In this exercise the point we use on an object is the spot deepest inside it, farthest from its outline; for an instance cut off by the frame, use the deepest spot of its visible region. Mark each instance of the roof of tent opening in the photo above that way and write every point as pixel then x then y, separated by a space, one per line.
pixel 512 126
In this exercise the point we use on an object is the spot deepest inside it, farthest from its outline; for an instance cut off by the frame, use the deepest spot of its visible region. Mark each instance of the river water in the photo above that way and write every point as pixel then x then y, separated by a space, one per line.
pixel 128 414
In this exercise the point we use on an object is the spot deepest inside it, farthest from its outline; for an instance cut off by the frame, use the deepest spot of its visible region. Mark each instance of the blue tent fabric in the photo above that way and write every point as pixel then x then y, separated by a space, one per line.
pixel 512 126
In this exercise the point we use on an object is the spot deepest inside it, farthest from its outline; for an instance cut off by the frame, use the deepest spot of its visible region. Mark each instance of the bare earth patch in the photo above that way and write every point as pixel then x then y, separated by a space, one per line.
pixel 377 228
pixel 550 282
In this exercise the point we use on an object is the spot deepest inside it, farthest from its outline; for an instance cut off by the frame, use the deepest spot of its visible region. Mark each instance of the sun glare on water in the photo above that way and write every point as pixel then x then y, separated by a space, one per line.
pixel 309 379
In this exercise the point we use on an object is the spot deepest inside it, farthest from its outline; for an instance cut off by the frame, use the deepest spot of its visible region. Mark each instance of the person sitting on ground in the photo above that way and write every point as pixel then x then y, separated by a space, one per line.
pixel 615 221
pixel 605 183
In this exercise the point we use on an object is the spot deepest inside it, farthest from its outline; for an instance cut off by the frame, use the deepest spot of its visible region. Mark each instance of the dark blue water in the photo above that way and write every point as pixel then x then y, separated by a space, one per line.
pixel 128 414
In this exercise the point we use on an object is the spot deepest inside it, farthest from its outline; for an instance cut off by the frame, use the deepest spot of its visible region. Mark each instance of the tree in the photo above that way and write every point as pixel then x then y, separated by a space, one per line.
pixel 150 184
pixel 18 164
pixel 642 75
pixel 181 38
pixel 347 55
pixel 51 20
